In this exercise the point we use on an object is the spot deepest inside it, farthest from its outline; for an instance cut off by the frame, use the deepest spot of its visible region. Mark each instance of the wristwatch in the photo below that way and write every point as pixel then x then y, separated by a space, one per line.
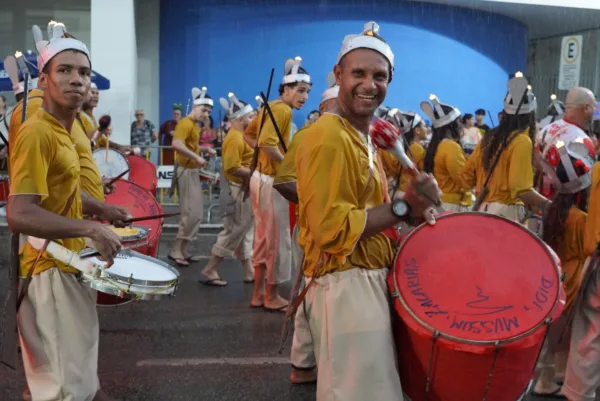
pixel 402 210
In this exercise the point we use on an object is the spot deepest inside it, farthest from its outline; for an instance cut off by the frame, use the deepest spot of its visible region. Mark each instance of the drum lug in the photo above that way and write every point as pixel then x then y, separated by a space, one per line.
pixel 563 276
pixel 395 294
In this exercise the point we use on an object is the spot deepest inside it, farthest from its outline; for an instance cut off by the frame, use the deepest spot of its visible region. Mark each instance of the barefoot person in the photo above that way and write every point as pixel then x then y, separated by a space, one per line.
pixel 60 362
pixel 191 198
pixel 342 192
pixel 238 224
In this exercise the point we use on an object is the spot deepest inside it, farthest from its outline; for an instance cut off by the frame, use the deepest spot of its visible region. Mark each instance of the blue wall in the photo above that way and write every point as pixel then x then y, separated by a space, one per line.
pixel 463 56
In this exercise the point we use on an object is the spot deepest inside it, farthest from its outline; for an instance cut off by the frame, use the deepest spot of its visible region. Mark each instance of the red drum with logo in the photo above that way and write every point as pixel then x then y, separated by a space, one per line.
pixel 474 295
pixel 139 202
pixel 143 172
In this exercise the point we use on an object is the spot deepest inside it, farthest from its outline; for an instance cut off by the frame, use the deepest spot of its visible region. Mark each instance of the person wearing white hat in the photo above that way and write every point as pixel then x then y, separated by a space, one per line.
pixel 186 144
pixel 272 252
pixel 510 184
pixel 343 210
pixel 238 224
pixel 303 353
pixel 46 202
pixel 445 158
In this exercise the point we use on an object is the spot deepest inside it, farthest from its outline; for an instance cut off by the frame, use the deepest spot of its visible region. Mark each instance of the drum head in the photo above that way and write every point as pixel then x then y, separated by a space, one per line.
pixel 113 165
pixel 477 277
pixel 140 203
pixel 142 172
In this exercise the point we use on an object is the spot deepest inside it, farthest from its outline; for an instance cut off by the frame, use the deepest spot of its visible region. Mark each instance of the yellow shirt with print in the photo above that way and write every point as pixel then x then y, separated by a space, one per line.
pixel 513 174
pixel 449 162
pixel 91 180
pixel 592 226
pixel 417 152
pixel 188 132
pixel 46 164
pixel 268 137
pixel 236 154
pixel 336 187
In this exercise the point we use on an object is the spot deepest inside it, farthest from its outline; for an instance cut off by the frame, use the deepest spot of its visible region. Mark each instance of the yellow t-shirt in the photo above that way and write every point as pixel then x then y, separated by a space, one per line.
pixel 391 165
pixel 236 154
pixel 89 123
pixel 45 163
pixel 268 137
pixel 91 180
pixel 449 162
pixel 287 169
pixel 335 188
pixel 513 174
pixel 101 142
pixel 418 152
pixel 592 226
pixel 571 253
pixel 188 132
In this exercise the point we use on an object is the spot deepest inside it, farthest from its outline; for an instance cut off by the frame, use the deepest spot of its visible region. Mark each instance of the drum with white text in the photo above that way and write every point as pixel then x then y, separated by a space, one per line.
pixel 474 295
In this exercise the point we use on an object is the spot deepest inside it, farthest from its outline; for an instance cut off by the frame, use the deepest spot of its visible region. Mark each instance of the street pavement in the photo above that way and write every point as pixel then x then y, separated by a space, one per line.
pixel 206 343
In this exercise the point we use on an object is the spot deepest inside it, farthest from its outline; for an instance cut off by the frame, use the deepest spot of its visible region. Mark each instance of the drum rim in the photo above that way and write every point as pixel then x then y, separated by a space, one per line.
pixel 143 233
pixel 126 176
pixel 398 295
pixel 132 296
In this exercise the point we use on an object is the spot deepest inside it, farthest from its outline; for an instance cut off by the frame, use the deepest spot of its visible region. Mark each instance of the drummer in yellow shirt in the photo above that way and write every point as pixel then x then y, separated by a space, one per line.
pixel 510 187
pixel 342 214
pixel 445 158
pixel 303 353
pixel 238 223
pixel 189 162
pixel 272 253
pixel 59 362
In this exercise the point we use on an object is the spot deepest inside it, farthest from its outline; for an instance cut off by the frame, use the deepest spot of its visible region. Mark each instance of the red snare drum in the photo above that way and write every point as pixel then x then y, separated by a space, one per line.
pixel 142 172
pixel 292 217
pixel 139 202
pixel 474 295
pixel 4 188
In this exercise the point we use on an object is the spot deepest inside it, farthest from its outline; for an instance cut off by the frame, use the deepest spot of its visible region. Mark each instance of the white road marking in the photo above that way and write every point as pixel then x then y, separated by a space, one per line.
pixel 214 361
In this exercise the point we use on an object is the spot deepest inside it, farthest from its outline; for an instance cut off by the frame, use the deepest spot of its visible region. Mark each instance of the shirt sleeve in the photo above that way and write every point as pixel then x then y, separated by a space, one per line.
pixel 232 155
pixel 252 129
pixel 469 171
pixel 327 187
pixel 181 131
pixel 455 162
pixel 268 136
pixel 418 153
pixel 30 167
pixel 520 172
pixel 592 225
pixel 287 169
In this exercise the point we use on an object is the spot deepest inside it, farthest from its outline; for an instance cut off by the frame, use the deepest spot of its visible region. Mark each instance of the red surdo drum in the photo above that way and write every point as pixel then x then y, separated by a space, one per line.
pixel 4 188
pixel 474 295
pixel 140 203
pixel 142 172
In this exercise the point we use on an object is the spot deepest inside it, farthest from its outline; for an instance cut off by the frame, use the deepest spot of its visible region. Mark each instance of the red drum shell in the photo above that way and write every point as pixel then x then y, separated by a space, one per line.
pixel 139 202
pixel 476 281
pixel 4 188
pixel 142 172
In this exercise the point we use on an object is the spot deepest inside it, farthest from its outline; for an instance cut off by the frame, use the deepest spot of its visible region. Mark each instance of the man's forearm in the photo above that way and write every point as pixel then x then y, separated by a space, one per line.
pixel 242 172
pixel 273 153
pixel 250 142
pixel 180 148
pixel 378 219
pixel 532 199
pixel 91 206
pixel 288 191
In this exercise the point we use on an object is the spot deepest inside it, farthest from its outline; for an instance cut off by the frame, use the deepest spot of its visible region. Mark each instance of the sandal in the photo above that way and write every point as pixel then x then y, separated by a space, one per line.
pixel 179 261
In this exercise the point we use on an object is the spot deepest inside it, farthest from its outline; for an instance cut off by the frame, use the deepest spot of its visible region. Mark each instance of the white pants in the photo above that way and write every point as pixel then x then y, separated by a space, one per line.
pixel 512 212
pixel 303 349
pixel 272 238
pixel 453 207
pixel 58 327
pixel 238 229
pixel 583 368
pixel 350 320
pixel 191 203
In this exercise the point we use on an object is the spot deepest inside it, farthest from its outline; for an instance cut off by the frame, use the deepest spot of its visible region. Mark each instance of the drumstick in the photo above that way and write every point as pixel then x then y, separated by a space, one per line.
pixel 107 143
pixel 118 177
pixel 158 216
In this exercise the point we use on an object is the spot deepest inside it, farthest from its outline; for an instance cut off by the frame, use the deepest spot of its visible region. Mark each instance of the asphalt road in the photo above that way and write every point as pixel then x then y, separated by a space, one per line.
pixel 204 344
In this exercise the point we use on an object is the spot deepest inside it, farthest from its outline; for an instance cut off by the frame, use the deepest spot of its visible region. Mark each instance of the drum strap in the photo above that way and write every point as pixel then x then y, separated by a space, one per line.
pixel 481 196
pixel 27 280
pixel 8 325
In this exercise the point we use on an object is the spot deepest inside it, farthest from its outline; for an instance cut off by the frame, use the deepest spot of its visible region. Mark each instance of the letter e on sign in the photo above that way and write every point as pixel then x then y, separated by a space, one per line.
pixel 570 62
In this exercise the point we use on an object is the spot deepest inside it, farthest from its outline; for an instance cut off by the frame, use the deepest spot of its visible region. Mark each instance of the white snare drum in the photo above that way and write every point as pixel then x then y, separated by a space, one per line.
pixel 133 276
pixel 112 165
pixel 209 176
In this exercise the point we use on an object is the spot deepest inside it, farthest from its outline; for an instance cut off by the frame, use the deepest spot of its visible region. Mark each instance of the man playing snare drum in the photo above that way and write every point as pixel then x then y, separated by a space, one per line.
pixel 341 193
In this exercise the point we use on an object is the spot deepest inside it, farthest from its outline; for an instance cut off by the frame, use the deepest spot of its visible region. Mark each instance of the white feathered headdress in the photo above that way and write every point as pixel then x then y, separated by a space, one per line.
pixel 438 116
pixel 293 72
pixel 236 108
pixel 520 98
pixel 201 97
pixel 58 41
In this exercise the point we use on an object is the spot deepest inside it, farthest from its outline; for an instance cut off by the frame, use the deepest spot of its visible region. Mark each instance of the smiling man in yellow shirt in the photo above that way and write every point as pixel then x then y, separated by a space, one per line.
pixel 60 362
pixel 272 253
pixel 341 192
pixel 238 223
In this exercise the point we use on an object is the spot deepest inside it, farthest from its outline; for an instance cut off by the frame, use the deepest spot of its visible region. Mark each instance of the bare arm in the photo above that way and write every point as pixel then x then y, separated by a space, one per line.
pixel 533 200
pixel 242 172
pixel 288 191
pixel 251 142
pixel 273 152
pixel 27 217
pixel 180 148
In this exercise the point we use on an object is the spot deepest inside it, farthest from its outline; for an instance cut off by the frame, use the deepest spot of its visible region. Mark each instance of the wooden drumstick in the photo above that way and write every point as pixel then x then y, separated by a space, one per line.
pixel 158 216
pixel 118 177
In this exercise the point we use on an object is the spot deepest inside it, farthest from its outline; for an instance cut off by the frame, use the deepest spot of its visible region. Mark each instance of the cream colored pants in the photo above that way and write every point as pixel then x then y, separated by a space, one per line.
pixel 512 212
pixel 191 202
pixel 238 229
pixel 303 349
pixel 58 327
pixel 350 320
pixel 452 207
pixel 583 367
pixel 272 238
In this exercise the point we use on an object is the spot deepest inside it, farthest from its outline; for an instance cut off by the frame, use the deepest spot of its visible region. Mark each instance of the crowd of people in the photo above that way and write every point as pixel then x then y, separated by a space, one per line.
pixel 352 200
